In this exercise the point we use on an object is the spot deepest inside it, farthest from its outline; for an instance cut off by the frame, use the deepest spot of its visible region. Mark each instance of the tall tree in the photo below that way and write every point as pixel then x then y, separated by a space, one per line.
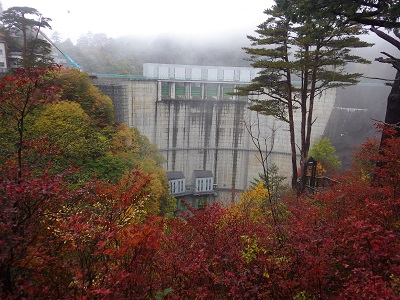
pixel 378 16
pixel 298 61
pixel 16 20
pixel 20 94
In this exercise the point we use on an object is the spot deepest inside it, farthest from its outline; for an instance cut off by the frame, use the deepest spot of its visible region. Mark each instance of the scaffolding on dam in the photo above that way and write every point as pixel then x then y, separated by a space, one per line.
pixel 118 94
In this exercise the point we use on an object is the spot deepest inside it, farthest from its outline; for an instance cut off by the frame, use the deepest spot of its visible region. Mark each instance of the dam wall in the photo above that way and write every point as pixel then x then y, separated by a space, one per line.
pixel 198 125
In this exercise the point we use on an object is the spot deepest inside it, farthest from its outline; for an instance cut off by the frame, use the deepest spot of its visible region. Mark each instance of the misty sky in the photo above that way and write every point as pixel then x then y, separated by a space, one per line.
pixel 149 18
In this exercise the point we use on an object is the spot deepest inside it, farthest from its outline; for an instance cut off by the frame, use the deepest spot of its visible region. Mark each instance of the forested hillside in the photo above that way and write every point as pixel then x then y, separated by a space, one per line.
pixel 97 53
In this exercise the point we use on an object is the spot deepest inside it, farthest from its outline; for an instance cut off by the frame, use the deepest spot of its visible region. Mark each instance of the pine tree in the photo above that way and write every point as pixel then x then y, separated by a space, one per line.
pixel 26 23
pixel 299 60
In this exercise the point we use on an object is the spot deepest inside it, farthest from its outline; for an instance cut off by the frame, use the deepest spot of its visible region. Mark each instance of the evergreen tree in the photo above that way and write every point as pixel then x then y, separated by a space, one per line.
pixel 378 16
pixel 17 23
pixel 298 61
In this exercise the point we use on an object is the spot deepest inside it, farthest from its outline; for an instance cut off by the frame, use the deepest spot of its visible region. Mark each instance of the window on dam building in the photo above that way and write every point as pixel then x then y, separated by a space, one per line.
pixel 176 182
pixel 177 186
pixel 204 181
pixel 195 91
pixel 226 89
pixel 229 75
pixel 204 185
pixel 212 74
pixel 180 91
pixel 165 90
pixel 212 91
pixel 199 91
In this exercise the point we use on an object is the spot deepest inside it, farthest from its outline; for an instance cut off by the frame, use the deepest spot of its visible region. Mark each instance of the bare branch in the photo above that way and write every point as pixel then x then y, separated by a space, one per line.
pixel 397 125
pixel 377 78
pixel 386 37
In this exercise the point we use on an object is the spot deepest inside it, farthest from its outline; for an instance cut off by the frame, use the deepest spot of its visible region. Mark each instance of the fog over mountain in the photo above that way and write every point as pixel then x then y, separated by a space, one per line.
pixel 97 53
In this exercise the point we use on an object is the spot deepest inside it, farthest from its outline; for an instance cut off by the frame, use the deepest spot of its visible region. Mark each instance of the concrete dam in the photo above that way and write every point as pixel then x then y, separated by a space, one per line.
pixel 188 113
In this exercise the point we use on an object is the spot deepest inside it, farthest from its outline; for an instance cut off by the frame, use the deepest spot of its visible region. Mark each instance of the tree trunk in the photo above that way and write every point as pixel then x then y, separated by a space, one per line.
pixel 308 115
pixel 392 117
pixel 292 145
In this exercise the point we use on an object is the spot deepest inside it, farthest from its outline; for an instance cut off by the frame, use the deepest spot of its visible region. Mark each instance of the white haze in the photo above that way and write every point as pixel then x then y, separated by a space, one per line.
pixel 149 18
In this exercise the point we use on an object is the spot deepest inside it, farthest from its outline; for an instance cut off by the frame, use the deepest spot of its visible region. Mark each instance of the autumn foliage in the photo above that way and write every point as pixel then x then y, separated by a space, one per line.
pixel 97 242
pixel 103 239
